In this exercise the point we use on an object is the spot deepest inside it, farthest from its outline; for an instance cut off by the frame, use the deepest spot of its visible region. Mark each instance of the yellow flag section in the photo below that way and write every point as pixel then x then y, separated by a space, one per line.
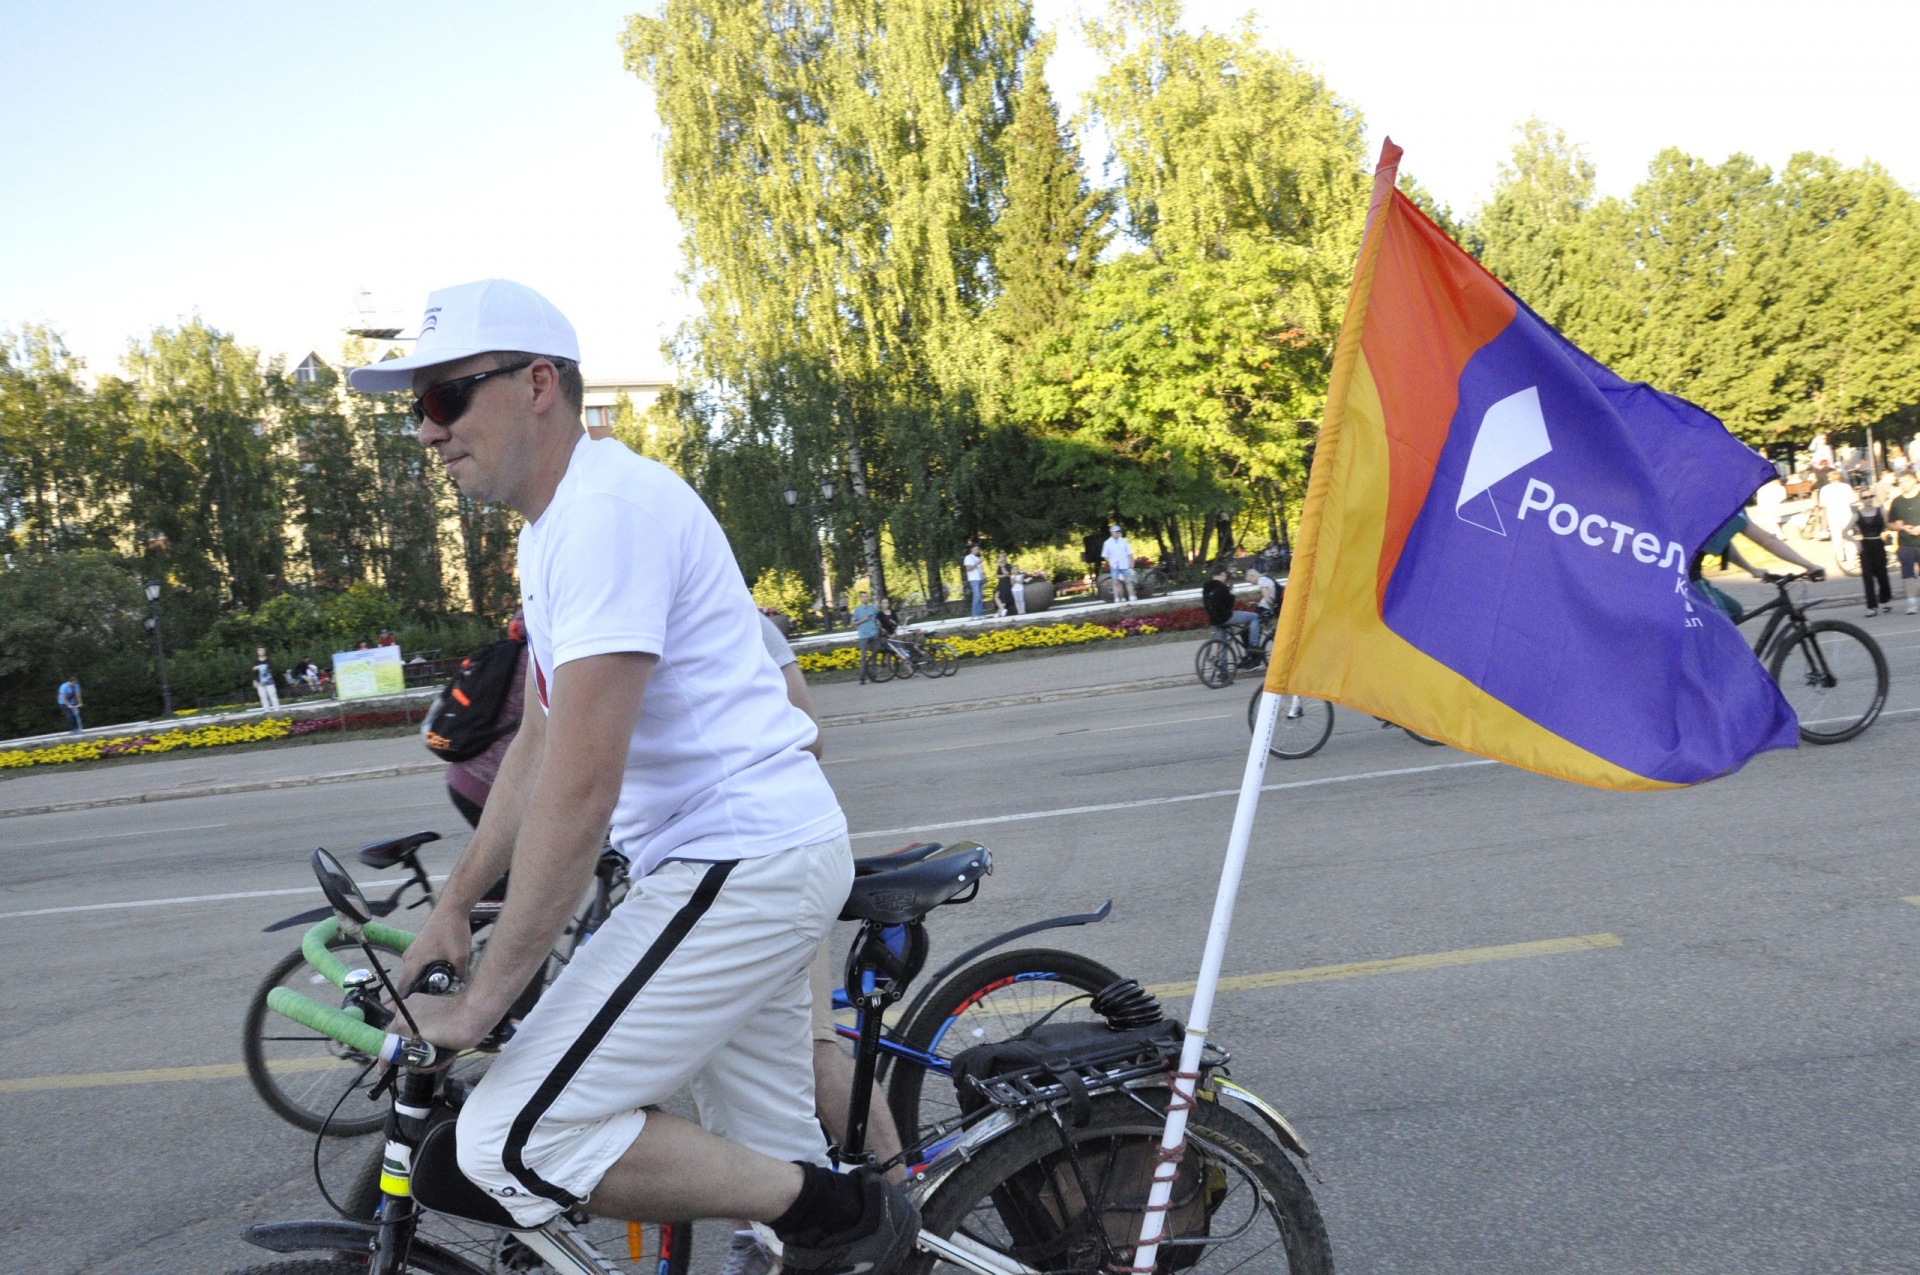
pixel 1332 643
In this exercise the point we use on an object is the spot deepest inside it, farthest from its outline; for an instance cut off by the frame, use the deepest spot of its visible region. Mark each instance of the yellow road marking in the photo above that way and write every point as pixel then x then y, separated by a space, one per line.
pixel 1232 983
pixel 1399 964
pixel 160 1075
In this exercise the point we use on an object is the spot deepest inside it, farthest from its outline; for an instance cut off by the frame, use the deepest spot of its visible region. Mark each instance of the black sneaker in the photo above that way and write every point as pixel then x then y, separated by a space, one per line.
pixel 881 1242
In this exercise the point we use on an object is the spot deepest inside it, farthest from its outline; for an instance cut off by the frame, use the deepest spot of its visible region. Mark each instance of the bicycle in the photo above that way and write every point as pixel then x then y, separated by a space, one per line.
pixel 911 654
pixel 1224 654
pixel 301 1076
pixel 1045 1168
pixel 1304 725
pixel 1832 673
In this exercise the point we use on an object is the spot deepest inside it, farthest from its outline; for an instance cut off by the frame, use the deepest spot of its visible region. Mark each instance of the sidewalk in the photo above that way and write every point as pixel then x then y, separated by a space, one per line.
pixel 298 710
pixel 1075 612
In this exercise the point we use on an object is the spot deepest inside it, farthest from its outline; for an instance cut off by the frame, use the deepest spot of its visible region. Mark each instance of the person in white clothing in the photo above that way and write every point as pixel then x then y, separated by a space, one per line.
pixel 976 574
pixel 649 720
pixel 264 682
pixel 1118 555
pixel 1836 500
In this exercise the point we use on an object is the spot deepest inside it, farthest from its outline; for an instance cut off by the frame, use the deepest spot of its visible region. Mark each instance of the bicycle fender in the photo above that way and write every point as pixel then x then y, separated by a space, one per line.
pixel 357 1238
pixel 1001 940
pixel 1283 1130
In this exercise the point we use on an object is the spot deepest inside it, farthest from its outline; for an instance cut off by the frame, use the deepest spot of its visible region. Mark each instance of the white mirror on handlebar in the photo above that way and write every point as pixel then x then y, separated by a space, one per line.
pixel 340 889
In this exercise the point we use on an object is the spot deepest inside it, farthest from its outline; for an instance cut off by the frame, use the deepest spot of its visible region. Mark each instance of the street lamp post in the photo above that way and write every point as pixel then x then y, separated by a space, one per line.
pixel 811 512
pixel 159 646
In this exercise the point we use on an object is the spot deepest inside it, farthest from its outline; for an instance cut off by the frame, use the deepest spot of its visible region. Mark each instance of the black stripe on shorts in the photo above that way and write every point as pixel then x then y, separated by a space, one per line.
pixel 582 1048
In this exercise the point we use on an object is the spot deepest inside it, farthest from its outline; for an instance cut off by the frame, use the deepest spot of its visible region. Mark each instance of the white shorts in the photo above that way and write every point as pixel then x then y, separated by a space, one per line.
pixel 699 977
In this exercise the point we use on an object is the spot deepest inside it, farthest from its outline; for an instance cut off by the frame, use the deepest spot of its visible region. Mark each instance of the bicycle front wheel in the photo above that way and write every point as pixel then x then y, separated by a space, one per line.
pixel 1299 730
pixel 992 1000
pixel 1214 663
pixel 943 661
pixel 1835 677
pixel 1064 1199
pixel 905 664
pixel 885 666
pixel 298 1072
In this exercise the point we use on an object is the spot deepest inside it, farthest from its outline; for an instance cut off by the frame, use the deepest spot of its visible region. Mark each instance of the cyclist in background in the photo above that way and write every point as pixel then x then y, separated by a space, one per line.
pixel 1216 598
pixel 1267 608
pixel 1720 544
pixel 469 781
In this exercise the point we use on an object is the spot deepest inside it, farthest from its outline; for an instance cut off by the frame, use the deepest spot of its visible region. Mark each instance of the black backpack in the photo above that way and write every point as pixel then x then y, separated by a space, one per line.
pixel 465 718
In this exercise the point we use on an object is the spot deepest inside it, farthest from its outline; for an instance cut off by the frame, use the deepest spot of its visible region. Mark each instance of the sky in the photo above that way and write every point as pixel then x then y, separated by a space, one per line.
pixel 263 164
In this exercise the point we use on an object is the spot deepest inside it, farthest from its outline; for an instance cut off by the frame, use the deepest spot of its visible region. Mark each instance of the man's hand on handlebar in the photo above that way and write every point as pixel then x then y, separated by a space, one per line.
pixel 446 936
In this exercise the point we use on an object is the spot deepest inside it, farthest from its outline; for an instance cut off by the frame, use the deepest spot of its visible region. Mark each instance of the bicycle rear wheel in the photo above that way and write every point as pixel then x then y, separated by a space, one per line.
pixel 884 666
pixel 992 1000
pixel 1299 730
pixel 1214 663
pixel 1064 1199
pixel 944 661
pixel 298 1072
pixel 1835 677
pixel 904 664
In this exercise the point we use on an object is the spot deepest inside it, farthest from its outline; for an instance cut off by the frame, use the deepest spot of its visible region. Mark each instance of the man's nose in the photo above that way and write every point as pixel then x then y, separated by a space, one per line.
pixel 432 433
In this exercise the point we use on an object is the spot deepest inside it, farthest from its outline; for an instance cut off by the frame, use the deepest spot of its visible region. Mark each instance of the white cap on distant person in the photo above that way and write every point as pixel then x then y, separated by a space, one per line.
pixel 475 318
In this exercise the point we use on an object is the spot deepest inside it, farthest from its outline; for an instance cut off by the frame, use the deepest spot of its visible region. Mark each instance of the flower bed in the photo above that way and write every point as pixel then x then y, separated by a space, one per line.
pixel 199 737
pixel 1029 637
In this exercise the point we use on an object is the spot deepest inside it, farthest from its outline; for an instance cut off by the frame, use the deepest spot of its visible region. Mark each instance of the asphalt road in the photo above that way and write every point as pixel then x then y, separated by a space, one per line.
pixel 1721 1076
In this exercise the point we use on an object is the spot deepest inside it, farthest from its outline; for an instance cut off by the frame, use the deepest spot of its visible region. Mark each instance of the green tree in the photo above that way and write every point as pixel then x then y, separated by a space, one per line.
pixel 835 170
pixel 61 474
pixel 76 613
pixel 203 472
pixel 330 482
pixel 1538 200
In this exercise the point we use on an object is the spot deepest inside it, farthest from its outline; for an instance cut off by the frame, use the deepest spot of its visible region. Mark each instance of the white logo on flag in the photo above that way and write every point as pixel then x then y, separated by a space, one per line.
pixel 1512 434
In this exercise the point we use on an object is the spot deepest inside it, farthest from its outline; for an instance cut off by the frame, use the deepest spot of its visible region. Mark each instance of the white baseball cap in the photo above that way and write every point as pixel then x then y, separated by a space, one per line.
pixel 475 318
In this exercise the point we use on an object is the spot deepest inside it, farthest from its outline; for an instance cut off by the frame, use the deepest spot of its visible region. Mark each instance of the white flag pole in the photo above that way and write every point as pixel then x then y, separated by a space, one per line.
pixel 1173 1139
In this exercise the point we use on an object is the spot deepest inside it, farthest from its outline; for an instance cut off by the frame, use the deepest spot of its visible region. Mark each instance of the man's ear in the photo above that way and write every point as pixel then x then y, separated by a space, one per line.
pixel 545 380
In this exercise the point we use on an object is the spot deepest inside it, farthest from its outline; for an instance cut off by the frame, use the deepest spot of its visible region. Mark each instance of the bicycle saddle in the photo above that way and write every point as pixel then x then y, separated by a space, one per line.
pixel 900 858
pixel 384 854
pixel 439 1185
pixel 900 895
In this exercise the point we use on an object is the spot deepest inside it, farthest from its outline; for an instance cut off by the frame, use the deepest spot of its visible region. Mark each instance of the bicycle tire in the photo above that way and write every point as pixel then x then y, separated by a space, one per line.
pixel 1301 729
pixel 1846 653
pixel 944 661
pixel 905 667
pixel 1215 663
pixel 883 667
pixel 1418 738
pixel 304 1102
pixel 1018 1195
pixel 995 998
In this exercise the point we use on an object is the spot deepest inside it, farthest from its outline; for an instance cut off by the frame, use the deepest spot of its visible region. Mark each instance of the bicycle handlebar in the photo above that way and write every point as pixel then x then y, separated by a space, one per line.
pixel 314 946
pixel 348 1026
pixel 344 1025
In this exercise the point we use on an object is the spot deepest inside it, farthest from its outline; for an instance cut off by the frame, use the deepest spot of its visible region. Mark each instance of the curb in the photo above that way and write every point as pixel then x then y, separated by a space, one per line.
pixel 221 790
pixel 426 767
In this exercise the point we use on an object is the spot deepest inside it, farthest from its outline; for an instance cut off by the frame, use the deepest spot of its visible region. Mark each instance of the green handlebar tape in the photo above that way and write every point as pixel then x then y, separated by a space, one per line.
pixel 343 1025
pixel 314 946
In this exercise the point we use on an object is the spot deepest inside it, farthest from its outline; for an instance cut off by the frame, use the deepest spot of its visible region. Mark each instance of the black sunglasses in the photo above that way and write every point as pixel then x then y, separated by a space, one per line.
pixel 447 402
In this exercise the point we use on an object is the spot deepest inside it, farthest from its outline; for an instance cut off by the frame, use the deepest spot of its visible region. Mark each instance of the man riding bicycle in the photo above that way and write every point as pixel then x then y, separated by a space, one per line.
pixel 659 712
pixel 1216 598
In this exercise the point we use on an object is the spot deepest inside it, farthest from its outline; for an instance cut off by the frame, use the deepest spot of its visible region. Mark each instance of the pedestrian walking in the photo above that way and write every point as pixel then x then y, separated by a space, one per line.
pixel 69 701
pixel 866 629
pixel 1836 501
pixel 1903 515
pixel 976 572
pixel 1869 530
pixel 1118 555
pixel 264 683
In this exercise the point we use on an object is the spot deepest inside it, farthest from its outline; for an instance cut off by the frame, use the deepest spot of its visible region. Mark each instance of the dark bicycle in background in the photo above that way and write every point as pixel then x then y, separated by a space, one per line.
pixel 1832 673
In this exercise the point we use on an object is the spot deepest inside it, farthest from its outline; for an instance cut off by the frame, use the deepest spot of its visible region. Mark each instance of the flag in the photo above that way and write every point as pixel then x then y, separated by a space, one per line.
pixel 1495 541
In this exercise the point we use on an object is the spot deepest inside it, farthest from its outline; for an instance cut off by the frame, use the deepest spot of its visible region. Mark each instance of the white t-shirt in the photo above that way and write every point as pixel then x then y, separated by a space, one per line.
pixel 628 558
pixel 1836 497
pixel 976 570
pixel 1117 552
pixel 778 648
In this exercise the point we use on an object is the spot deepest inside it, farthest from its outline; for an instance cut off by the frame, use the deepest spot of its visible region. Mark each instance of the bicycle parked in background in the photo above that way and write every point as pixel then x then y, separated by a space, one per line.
pixel 907 652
